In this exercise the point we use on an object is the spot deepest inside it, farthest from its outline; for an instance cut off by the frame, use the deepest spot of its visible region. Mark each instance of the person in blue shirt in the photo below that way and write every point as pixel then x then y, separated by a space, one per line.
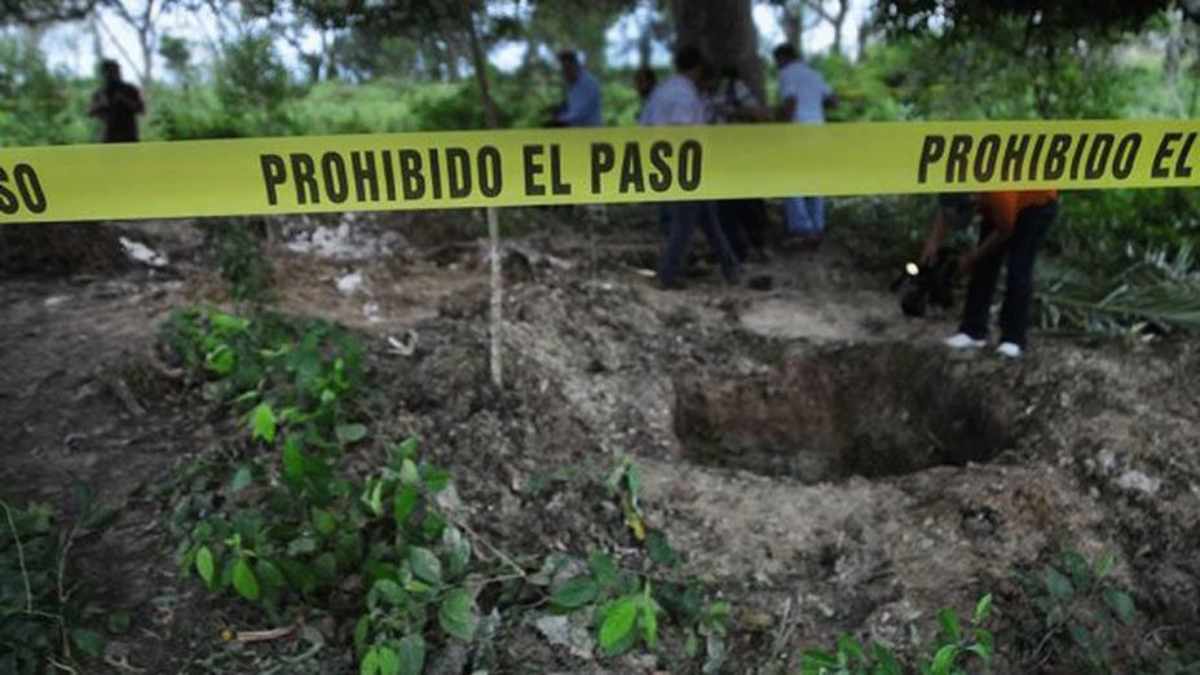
pixel 582 108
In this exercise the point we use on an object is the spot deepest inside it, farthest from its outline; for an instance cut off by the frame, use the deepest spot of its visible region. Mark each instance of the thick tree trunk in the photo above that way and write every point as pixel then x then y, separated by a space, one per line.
pixel 724 30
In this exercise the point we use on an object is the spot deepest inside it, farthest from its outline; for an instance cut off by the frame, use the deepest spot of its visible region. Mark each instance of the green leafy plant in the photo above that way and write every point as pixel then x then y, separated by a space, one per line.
pixel 629 607
pixel 1081 610
pixel 956 648
pixel 43 621
pixel 237 246
pixel 312 525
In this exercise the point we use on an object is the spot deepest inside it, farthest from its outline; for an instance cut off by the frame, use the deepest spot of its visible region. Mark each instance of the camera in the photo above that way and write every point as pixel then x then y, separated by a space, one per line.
pixel 923 285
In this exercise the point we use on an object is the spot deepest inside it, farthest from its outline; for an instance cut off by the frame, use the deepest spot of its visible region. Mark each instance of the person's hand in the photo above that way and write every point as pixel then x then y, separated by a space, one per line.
pixel 966 263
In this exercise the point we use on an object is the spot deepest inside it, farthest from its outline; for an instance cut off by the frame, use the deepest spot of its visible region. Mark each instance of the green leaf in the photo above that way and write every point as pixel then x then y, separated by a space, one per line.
pixel 982 652
pixel 458 552
pixel 350 433
pixel 849 648
pixel 241 480
pixel 244 580
pixel 403 451
pixel 205 565
pixel 1077 569
pixel 263 423
pixel 221 361
pixel 649 619
pixel 575 593
pixel 816 662
pixel 373 497
pixel 412 655
pixel 886 662
pixel 362 631
pixel 950 625
pixel 603 568
pixel 1105 566
pixel 425 565
pixel 457 615
pixel 409 475
pixel 372 663
pixel 390 591
pixel 324 522
pixel 403 503
pixel 435 479
pixel 118 622
pixel 269 573
pixel 943 661
pixel 1121 605
pixel 660 549
pixel 293 461
pixel 618 623
pixel 1058 585
pixel 89 642
pixel 227 323
pixel 982 610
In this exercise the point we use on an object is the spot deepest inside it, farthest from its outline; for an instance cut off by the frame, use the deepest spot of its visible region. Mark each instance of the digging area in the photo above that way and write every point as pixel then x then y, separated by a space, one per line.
pixel 816 458
pixel 881 410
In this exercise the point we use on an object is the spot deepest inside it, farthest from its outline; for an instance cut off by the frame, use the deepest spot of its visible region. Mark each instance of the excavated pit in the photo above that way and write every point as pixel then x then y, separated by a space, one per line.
pixel 872 410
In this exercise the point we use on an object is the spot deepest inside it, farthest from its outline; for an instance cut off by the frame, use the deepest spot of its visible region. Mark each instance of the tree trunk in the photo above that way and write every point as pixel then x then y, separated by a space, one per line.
pixel 839 23
pixel 724 30
pixel 793 25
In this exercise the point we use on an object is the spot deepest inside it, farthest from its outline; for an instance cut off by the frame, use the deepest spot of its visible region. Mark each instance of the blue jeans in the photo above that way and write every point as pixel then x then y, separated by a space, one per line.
pixel 1018 255
pixel 684 216
pixel 805 216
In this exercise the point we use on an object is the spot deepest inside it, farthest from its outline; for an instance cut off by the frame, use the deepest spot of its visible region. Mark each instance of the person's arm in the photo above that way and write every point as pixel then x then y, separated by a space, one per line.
pixel 99 104
pixel 787 108
pixel 1001 214
pixel 937 235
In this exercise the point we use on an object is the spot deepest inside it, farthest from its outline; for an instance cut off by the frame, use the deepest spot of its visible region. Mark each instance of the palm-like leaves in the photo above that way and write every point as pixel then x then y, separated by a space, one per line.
pixel 1159 289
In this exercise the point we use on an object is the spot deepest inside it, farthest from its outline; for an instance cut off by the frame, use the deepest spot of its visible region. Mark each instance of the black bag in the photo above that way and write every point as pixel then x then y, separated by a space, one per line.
pixel 931 284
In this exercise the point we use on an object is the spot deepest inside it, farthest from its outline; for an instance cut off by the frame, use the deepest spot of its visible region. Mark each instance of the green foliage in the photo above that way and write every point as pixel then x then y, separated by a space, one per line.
pixel 628 607
pixel 1081 609
pixel 958 650
pixel 41 617
pixel 310 527
pixel 37 105
pixel 237 246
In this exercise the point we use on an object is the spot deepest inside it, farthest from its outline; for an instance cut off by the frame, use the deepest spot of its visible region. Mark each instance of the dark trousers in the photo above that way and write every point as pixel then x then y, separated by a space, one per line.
pixel 683 217
pixel 744 222
pixel 1020 252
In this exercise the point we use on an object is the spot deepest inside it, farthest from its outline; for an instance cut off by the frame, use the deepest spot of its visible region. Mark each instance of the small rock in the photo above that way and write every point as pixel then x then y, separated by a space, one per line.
pixel 558 630
pixel 350 283
pixel 1137 481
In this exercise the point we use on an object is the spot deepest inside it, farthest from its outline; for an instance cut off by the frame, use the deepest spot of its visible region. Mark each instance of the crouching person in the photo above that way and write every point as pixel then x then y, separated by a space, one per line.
pixel 677 101
pixel 1013 227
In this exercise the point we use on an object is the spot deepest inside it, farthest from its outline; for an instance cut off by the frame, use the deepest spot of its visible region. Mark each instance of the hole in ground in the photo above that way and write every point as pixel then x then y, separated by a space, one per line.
pixel 872 410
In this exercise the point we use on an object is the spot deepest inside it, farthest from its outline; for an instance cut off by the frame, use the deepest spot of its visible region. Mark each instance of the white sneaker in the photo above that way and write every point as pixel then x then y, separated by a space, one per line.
pixel 963 341
pixel 1009 349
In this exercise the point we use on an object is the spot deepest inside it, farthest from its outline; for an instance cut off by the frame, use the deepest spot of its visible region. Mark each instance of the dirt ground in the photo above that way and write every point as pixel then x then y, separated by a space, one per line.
pixel 812 453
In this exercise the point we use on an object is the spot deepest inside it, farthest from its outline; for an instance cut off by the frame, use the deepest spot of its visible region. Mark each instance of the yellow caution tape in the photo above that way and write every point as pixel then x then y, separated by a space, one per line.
pixel 578 166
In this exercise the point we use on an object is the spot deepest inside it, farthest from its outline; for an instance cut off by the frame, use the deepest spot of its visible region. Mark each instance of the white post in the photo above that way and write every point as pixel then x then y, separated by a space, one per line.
pixel 497 316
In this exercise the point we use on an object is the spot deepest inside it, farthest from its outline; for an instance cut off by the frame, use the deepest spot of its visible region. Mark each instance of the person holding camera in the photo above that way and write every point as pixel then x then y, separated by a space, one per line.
pixel 1014 225
pixel 117 104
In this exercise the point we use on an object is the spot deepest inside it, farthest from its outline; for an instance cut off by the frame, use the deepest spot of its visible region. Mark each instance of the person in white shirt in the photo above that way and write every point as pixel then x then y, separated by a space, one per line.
pixel 677 101
pixel 804 95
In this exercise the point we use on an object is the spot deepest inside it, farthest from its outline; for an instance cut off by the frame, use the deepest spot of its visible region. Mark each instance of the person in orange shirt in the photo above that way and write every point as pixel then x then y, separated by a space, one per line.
pixel 1014 225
